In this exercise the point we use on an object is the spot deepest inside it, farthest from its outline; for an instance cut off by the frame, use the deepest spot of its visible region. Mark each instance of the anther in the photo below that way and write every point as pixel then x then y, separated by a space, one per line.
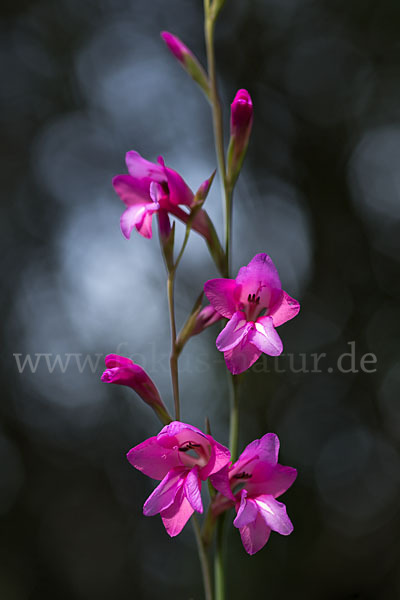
pixel 242 475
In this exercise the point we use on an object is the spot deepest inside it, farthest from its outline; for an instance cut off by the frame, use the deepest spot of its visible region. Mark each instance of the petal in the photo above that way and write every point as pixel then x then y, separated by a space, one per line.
pixel 271 480
pixel 131 217
pixel 247 512
pixel 142 169
pixel 180 432
pixel 179 191
pixel 274 514
pixel 223 295
pixel 220 481
pixel 164 223
pixel 153 459
pixel 284 310
pixel 261 278
pixel 132 191
pixel 255 535
pixel 164 494
pixel 234 332
pixel 192 489
pixel 220 457
pixel 144 228
pixel 115 360
pixel 266 449
pixel 241 357
pixel 177 515
pixel 265 337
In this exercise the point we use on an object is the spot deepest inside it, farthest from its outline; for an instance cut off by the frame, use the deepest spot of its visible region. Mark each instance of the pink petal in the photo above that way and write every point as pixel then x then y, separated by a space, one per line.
pixel 234 332
pixel 179 192
pixel 192 489
pixel 177 515
pixel 179 432
pixel 153 459
pixel 274 514
pixel 140 168
pixel 220 457
pixel 223 295
pixel 164 494
pixel 261 278
pixel 144 228
pixel 164 223
pixel 115 360
pixel 266 449
pixel 284 310
pixel 255 535
pixel 265 337
pixel 131 217
pixel 220 481
pixel 132 191
pixel 247 512
pixel 241 357
pixel 270 480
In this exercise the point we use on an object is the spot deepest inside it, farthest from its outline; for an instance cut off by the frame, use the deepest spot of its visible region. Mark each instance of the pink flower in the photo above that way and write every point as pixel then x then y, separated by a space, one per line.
pixel 124 371
pixel 255 304
pixel 253 483
pixel 154 188
pixel 182 457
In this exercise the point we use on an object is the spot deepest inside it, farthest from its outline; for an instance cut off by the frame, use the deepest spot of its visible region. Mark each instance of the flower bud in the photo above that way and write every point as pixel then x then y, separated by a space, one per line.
pixel 188 61
pixel 202 193
pixel 124 371
pixel 206 317
pixel 241 124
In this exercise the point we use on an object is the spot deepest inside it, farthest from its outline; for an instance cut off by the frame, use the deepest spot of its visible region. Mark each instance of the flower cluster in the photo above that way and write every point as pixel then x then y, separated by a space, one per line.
pixel 181 456
pixel 253 305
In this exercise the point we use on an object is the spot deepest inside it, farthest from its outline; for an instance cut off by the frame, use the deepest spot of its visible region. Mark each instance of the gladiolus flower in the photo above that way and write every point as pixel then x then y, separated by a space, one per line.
pixel 252 484
pixel 181 456
pixel 124 371
pixel 154 188
pixel 255 304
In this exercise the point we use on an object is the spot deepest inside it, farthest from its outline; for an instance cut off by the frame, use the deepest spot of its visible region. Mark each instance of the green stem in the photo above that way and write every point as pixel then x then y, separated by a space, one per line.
pixel 174 356
pixel 234 417
pixel 205 565
pixel 209 25
pixel 219 574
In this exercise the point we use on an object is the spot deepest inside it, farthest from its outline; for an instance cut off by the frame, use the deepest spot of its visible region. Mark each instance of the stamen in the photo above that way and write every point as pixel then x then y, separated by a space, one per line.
pixel 258 300
pixel 249 298
pixel 242 475
pixel 188 446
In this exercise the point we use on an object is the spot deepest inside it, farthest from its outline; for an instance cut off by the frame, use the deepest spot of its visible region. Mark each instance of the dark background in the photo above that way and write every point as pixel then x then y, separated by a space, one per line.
pixel 82 82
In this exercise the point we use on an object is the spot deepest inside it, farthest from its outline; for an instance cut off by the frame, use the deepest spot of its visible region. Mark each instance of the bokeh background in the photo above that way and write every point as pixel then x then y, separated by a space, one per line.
pixel 82 82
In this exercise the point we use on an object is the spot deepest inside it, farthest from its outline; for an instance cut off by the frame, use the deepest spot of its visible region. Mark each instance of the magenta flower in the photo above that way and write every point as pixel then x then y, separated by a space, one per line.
pixel 154 188
pixel 255 304
pixel 124 371
pixel 253 483
pixel 182 457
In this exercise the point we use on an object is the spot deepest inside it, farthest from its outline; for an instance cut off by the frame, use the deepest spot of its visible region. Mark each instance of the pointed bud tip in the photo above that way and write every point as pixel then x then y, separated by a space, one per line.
pixel 175 45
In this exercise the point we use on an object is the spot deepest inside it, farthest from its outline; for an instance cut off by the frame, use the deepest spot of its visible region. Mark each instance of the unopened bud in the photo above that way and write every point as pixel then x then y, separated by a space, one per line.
pixel 188 60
